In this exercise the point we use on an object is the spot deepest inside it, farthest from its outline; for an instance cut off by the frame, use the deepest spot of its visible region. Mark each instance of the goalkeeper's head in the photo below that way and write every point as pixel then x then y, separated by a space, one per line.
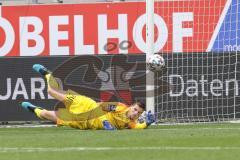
pixel 135 110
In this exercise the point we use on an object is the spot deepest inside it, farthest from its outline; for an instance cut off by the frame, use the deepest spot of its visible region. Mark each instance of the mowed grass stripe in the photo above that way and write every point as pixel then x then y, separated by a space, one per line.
pixel 195 142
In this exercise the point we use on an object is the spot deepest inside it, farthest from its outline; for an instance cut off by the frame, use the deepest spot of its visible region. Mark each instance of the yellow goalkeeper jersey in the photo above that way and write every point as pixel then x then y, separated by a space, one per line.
pixel 118 118
pixel 84 113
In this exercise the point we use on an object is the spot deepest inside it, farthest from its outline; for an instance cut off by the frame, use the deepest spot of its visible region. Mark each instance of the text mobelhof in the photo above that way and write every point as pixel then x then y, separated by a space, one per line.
pixel 31 30
pixel 202 87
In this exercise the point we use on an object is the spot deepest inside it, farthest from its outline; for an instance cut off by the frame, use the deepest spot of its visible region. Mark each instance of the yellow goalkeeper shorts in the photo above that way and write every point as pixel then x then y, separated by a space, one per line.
pixel 81 112
pixel 76 103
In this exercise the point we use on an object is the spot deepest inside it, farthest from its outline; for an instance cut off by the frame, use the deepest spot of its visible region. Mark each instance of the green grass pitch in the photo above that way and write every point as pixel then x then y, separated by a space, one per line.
pixel 178 142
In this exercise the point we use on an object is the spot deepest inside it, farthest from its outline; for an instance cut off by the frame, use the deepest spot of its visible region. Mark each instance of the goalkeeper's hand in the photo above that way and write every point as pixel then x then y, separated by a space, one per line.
pixel 150 118
pixel 107 125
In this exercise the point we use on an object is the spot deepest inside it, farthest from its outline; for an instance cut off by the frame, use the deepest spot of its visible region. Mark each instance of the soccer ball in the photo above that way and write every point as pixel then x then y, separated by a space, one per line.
pixel 156 63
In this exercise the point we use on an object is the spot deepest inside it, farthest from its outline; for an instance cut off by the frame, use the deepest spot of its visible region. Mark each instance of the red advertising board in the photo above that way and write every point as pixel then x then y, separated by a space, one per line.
pixel 103 28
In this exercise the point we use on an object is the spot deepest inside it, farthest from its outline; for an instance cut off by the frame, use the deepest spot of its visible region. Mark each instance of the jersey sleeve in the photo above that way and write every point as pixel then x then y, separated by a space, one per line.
pixel 109 106
pixel 113 106
pixel 135 125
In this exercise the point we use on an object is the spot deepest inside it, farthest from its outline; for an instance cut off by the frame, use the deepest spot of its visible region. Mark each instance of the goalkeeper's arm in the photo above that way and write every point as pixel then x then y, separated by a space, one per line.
pixel 106 124
pixel 138 125
pixel 150 118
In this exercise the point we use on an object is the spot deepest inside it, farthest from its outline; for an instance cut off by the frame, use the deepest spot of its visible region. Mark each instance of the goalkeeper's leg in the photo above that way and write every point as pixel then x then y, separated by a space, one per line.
pixel 74 102
pixel 40 112
pixel 53 85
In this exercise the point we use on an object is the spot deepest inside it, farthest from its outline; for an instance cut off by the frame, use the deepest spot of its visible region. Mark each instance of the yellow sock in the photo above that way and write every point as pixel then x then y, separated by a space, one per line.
pixel 47 76
pixel 38 112
pixel 52 82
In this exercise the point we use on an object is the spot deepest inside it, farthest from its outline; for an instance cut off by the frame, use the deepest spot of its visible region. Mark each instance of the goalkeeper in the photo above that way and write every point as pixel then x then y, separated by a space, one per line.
pixel 84 113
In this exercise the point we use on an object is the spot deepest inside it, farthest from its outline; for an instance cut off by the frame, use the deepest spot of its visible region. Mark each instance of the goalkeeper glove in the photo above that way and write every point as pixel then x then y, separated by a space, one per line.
pixel 150 118
pixel 107 125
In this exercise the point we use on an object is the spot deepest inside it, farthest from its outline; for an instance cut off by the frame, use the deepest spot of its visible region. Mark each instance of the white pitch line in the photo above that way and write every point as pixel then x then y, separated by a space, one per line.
pixel 66 149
